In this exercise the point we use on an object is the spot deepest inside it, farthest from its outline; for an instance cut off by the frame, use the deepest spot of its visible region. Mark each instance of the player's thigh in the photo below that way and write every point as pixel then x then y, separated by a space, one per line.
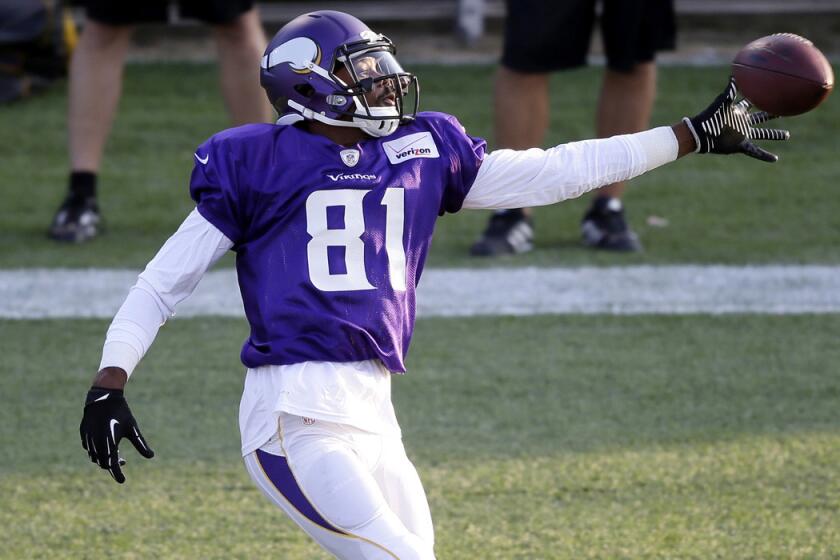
pixel 327 489
pixel 546 35
pixel 634 30
pixel 403 491
pixel 271 475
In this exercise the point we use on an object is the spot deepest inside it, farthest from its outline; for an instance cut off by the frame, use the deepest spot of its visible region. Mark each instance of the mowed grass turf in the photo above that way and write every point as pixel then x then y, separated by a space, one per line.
pixel 542 437
pixel 718 209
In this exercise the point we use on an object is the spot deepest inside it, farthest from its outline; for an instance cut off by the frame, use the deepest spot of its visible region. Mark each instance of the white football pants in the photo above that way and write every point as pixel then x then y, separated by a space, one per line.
pixel 356 493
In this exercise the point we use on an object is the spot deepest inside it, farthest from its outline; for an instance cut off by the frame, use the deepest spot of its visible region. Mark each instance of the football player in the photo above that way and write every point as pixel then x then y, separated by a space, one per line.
pixel 330 213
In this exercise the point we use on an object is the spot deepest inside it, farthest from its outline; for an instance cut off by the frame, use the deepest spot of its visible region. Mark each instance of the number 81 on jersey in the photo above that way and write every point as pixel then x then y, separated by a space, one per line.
pixel 350 238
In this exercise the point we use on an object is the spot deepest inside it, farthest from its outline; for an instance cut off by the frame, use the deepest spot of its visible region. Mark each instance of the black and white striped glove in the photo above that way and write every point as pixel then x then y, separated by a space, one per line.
pixel 726 127
pixel 106 420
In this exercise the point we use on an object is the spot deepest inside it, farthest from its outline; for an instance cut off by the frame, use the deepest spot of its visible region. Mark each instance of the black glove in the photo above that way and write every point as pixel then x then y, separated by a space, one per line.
pixel 726 127
pixel 106 420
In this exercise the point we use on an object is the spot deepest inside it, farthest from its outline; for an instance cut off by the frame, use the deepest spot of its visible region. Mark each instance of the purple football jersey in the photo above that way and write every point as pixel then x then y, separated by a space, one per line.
pixel 330 240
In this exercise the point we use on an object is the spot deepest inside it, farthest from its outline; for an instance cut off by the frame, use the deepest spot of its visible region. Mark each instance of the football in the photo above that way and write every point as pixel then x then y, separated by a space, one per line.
pixel 783 74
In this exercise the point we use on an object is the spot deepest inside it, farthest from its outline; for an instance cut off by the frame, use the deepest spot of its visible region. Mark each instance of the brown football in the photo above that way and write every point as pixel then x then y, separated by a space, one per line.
pixel 783 74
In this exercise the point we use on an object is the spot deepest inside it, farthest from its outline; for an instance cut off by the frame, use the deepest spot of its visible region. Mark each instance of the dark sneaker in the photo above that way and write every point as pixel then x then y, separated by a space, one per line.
pixel 76 221
pixel 604 227
pixel 508 233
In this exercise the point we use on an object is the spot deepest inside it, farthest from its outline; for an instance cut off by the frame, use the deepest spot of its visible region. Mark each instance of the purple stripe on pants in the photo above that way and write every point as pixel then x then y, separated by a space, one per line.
pixel 278 472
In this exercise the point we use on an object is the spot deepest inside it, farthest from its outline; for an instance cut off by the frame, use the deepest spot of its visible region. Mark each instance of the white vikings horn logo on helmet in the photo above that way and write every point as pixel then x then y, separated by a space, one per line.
pixel 298 53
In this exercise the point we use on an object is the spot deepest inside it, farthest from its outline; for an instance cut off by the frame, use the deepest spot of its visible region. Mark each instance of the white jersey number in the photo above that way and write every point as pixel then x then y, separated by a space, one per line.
pixel 354 276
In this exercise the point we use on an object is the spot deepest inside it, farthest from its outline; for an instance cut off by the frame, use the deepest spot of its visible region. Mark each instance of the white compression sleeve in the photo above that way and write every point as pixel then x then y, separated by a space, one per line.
pixel 168 279
pixel 535 177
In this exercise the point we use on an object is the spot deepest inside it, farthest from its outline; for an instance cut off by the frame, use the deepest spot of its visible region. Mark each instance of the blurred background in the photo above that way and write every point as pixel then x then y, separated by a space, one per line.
pixel 459 31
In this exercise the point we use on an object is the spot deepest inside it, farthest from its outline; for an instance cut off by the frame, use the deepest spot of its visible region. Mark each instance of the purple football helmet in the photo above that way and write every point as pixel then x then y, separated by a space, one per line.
pixel 298 72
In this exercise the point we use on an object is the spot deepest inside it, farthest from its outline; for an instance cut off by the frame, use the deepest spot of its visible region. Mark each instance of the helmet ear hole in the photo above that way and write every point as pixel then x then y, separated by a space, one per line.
pixel 305 90
pixel 281 105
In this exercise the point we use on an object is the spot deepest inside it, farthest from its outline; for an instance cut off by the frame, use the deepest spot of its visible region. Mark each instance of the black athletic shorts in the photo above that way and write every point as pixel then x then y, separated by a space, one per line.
pixel 127 12
pixel 548 35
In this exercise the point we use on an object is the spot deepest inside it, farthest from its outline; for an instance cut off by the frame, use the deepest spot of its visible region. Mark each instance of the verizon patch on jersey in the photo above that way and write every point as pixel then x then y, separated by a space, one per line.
pixel 419 145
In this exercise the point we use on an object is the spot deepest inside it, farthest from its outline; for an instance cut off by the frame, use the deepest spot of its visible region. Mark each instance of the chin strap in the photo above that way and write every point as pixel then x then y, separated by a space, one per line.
pixel 385 122
pixel 309 114
pixel 376 128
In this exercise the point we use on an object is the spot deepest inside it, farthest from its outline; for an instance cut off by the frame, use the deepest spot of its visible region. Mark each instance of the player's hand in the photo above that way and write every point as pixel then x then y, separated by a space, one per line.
pixel 106 420
pixel 727 127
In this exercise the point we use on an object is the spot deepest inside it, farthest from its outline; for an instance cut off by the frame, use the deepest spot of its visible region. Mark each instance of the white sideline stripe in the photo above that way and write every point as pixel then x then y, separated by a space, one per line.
pixel 773 289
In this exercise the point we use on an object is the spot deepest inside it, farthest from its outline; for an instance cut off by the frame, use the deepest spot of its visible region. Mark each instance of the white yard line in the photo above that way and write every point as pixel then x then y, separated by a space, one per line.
pixel 55 293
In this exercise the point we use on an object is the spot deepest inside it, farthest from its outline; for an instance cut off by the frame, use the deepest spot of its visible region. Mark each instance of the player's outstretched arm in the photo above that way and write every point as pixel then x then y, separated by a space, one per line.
pixel 106 420
pixel 520 178
pixel 728 127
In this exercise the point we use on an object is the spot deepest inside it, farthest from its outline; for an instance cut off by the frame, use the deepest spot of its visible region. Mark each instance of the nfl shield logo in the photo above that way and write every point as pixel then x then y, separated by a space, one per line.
pixel 350 157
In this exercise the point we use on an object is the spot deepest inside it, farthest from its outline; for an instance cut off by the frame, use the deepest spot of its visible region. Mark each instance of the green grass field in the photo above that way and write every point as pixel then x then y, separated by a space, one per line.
pixel 690 438
pixel 550 437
